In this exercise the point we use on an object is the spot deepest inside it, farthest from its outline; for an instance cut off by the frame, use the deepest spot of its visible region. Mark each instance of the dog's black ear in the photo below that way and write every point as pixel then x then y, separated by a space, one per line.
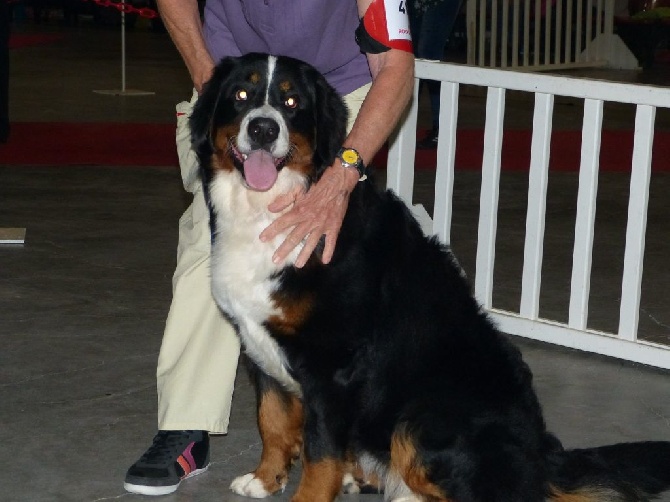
pixel 331 123
pixel 202 118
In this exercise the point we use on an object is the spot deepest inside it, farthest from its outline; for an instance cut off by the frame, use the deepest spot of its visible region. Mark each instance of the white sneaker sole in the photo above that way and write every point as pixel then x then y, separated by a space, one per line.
pixel 159 490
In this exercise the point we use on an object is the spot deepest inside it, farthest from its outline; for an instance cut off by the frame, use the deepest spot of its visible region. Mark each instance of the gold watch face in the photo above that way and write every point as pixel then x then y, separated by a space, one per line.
pixel 350 156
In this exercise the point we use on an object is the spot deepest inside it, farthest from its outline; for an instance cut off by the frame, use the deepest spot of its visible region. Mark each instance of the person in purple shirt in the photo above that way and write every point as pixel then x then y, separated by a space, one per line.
pixel 198 357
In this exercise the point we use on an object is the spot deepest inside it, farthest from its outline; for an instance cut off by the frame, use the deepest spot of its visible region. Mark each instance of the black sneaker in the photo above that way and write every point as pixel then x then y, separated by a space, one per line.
pixel 173 457
pixel 430 141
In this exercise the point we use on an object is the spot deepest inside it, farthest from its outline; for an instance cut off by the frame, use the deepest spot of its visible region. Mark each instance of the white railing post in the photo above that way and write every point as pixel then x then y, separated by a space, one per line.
pixel 637 222
pixel 488 206
pixel 446 155
pixel 402 149
pixel 537 203
pixel 586 214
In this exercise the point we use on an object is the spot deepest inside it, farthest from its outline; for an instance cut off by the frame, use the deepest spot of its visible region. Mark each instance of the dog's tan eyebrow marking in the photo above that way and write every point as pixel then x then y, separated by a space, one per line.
pixel 254 78
pixel 285 86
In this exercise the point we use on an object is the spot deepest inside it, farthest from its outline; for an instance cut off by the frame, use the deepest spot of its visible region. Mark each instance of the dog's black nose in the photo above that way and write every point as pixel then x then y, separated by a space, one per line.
pixel 262 131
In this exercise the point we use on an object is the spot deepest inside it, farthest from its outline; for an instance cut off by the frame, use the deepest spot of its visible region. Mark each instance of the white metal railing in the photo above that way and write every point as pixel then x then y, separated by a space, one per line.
pixel 544 34
pixel 624 344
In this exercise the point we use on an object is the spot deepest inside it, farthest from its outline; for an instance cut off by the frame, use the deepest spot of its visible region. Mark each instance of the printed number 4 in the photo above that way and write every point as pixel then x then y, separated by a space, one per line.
pixel 402 7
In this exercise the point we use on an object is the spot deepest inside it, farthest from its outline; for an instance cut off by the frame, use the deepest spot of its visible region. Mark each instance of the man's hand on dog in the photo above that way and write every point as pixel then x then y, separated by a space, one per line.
pixel 318 212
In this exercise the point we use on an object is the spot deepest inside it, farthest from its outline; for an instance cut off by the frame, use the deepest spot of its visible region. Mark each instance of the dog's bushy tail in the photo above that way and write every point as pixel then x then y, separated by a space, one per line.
pixel 625 472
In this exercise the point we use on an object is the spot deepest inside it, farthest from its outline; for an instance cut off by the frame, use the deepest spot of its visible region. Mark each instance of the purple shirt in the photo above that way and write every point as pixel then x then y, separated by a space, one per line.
pixel 320 32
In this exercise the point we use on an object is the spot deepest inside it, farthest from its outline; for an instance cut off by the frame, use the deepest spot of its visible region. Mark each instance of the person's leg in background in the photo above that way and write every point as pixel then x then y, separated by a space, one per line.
pixel 198 357
pixel 5 22
pixel 436 24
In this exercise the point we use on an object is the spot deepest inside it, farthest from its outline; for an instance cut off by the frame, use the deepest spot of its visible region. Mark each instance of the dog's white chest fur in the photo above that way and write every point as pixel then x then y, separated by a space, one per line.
pixel 242 267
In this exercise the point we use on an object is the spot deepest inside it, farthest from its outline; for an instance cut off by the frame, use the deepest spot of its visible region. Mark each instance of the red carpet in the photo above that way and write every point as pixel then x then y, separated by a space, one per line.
pixel 20 40
pixel 60 144
pixel 63 144
pixel 615 152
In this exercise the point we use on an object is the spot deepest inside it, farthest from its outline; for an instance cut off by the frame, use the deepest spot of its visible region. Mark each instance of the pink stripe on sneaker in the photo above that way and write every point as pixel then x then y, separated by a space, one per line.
pixel 187 457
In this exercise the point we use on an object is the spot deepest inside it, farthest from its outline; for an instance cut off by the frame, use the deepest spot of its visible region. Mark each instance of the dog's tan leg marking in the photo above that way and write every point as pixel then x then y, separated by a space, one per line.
pixel 584 495
pixel 280 424
pixel 321 481
pixel 406 462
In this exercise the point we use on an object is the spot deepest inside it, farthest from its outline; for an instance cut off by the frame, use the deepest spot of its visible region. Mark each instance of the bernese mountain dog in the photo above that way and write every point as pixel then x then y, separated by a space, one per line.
pixel 382 358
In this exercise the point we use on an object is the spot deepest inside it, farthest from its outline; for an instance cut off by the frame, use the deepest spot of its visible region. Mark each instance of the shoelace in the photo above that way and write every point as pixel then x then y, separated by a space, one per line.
pixel 166 447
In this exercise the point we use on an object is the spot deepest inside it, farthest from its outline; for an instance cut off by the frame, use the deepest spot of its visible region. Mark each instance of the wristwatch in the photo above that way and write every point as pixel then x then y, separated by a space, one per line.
pixel 351 158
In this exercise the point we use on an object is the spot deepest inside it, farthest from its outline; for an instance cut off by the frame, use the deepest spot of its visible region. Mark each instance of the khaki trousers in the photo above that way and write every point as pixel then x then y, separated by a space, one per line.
pixel 198 357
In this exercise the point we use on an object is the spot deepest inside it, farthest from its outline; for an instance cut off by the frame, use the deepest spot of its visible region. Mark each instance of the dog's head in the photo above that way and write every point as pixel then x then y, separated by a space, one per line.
pixel 260 114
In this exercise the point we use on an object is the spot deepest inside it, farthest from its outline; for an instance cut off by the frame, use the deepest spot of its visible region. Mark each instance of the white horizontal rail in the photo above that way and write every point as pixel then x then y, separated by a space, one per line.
pixel 538 82
pixel 587 340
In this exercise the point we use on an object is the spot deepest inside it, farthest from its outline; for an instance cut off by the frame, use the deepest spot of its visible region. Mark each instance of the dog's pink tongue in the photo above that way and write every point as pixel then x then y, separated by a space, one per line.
pixel 260 170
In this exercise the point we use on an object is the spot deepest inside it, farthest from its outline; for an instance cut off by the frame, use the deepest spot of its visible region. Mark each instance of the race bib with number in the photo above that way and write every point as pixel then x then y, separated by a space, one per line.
pixel 387 22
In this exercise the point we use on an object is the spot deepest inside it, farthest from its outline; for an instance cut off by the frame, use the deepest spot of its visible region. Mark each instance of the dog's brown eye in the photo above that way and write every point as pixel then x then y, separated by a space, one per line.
pixel 241 95
pixel 291 102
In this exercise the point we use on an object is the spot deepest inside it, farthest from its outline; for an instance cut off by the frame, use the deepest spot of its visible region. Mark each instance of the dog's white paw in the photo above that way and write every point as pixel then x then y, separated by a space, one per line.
pixel 349 484
pixel 249 486
pixel 408 498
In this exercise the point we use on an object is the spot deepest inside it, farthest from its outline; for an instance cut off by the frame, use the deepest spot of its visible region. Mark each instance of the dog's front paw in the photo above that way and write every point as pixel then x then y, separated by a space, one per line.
pixel 249 486
pixel 355 485
pixel 349 484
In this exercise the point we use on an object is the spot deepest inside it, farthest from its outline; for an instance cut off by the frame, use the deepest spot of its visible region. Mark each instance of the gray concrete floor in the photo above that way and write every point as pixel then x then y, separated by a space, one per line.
pixel 83 303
